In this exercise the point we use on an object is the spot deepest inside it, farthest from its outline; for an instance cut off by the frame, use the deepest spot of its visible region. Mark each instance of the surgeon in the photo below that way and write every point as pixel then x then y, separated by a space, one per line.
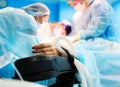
pixel 95 19
pixel 41 14
pixel 18 33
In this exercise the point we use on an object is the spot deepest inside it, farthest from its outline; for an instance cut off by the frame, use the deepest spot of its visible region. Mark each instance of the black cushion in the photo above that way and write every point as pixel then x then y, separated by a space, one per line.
pixel 41 67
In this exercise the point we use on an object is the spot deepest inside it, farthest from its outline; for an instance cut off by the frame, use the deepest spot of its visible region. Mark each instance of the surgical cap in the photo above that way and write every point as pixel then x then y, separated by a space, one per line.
pixel 67 26
pixel 37 9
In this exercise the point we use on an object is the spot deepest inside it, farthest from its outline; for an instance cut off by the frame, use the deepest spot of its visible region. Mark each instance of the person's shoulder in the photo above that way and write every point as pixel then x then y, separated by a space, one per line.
pixel 101 6
pixel 4 10
pixel 9 10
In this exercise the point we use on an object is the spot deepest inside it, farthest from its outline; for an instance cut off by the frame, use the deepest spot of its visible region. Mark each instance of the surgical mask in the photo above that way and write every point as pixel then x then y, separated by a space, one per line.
pixel 80 7
pixel 57 32
pixel 42 25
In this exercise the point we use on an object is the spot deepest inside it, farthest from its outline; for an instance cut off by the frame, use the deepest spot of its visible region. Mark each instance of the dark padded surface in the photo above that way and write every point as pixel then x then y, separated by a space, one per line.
pixel 40 67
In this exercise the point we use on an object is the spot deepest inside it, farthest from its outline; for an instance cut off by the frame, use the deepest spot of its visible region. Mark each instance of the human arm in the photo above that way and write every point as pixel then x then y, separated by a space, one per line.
pixel 46 49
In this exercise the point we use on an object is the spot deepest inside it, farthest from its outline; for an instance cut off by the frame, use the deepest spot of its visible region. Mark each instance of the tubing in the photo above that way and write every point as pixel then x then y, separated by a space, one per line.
pixel 83 72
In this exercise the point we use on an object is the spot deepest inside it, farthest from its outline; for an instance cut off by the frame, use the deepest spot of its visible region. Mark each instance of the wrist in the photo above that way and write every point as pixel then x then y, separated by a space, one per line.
pixel 59 54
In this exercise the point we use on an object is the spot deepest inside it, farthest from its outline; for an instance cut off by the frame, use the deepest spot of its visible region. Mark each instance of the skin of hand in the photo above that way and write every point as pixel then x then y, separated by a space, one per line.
pixel 46 49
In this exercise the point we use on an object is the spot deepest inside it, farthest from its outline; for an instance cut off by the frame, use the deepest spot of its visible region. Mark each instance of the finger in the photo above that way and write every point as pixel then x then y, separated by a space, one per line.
pixel 47 49
pixel 49 53
pixel 46 52
pixel 52 52
pixel 36 51
pixel 43 49
pixel 42 45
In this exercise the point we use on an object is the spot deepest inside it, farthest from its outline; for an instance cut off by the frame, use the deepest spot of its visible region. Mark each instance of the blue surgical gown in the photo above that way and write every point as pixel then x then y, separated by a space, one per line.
pixel 98 47
pixel 97 21
pixel 17 36
pixel 101 58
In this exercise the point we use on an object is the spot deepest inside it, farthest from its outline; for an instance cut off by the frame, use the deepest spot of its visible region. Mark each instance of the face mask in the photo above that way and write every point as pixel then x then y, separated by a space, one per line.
pixel 57 32
pixel 40 25
pixel 80 7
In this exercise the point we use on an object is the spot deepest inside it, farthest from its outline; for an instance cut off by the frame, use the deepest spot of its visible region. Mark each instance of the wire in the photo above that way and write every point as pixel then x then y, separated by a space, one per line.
pixel 9 59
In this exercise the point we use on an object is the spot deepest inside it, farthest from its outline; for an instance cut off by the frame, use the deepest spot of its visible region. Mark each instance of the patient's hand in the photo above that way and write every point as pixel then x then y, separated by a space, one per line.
pixel 46 49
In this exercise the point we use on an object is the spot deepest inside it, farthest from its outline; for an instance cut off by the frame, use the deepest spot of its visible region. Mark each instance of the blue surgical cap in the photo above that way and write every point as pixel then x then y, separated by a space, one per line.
pixel 37 9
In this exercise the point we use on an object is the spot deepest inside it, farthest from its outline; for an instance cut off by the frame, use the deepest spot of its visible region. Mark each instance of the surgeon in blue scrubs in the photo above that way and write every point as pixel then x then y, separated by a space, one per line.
pixel 95 19
pixel 18 33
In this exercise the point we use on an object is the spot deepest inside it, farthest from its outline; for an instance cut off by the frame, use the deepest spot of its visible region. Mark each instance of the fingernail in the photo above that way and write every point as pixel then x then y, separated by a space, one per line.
pixel 33 47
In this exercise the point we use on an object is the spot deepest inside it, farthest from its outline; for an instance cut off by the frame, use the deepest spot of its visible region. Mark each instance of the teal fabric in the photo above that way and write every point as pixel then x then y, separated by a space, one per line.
pixel 101 58
pixel 97 21
pixel 17 35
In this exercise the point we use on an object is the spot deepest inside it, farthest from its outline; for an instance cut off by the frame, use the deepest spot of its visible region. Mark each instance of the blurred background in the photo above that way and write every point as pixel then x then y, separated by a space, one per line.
pixel 59 8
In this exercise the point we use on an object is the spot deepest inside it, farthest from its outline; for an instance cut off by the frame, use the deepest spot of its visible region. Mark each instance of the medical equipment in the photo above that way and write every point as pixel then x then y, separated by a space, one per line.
pixel 86 79
pixel 43 67
pixel 31 67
